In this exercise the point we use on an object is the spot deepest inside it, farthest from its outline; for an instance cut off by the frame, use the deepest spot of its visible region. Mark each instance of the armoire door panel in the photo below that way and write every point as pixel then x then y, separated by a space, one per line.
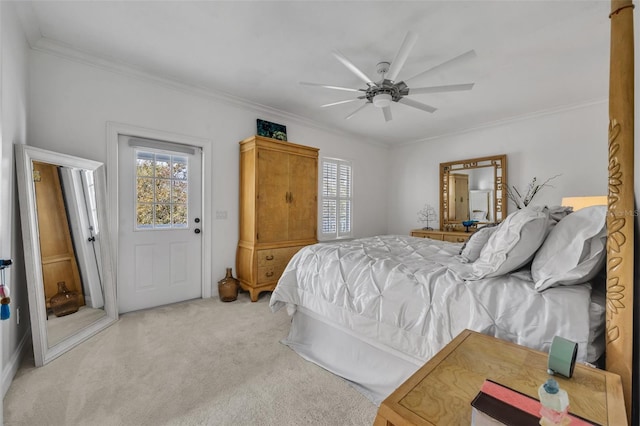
pixel 272 206
pixel 303 185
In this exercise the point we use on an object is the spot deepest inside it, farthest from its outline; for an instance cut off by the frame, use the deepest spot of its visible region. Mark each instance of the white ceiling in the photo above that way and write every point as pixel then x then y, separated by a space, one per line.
pixel 532 56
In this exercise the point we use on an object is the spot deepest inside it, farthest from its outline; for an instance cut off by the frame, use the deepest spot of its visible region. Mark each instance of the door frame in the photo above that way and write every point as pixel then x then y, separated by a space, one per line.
pixel 114 130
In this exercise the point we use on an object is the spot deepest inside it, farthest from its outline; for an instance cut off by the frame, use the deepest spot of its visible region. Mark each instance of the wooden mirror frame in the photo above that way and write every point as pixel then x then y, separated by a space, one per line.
pixel 499 164
pixel 25 156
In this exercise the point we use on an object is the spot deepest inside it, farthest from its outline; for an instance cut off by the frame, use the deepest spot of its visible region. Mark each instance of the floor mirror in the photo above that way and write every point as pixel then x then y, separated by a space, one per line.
pixel 67 253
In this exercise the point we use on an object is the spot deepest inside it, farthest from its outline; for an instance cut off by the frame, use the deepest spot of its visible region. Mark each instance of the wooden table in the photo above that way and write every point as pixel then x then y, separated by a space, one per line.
pixel 440 392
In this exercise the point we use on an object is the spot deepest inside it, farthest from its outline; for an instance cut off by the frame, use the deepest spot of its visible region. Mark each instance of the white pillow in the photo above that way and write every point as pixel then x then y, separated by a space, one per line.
pixel 472 248
pixel 514 243
pixel 574 251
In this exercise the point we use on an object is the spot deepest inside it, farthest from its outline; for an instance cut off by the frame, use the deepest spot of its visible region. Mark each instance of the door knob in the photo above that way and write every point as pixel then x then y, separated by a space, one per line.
pixel 196 220
pixel 197 230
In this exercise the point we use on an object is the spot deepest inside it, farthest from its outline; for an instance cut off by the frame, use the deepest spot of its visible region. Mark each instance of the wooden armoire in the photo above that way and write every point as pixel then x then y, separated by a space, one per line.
pixel 56 246
pixel 458 197
pixel 278 209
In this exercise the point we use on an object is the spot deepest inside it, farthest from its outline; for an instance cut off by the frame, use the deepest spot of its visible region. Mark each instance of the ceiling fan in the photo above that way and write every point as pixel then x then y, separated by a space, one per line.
pixel 387 89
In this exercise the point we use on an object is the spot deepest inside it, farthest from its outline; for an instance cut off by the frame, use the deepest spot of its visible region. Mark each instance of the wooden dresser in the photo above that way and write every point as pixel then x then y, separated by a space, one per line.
pixel 451 236
pixel 440 392
pixel 278 209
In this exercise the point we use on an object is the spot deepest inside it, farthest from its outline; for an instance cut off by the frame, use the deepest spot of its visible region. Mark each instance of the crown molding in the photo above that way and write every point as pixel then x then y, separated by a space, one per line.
pixel 510 120
pixel 67 52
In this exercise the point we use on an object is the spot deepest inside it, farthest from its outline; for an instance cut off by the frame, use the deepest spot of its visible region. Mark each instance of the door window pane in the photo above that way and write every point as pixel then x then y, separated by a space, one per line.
pixel 145 216
pixel 179 194
pixel 145 190
pixel 179 216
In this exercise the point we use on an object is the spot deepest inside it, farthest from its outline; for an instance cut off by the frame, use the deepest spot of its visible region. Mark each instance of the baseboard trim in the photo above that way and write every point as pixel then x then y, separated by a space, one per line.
pixel 11 367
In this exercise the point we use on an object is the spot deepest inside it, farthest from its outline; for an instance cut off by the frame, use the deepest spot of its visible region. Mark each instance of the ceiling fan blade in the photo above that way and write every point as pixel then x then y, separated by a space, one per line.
pixel 387 113
pixel 357 111
pixel 402 55
pixel 347 63
pixel 467 55
pixel 329 86
pixel 417 104
pixel 440 89
pixel 338 103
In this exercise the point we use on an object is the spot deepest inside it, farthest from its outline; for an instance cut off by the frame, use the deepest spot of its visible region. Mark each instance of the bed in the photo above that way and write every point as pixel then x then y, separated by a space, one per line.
pixel 395 300
pixel 359 307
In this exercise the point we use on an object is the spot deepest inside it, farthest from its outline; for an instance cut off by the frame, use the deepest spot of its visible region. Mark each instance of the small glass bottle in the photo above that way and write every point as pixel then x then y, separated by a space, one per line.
pixel 555 404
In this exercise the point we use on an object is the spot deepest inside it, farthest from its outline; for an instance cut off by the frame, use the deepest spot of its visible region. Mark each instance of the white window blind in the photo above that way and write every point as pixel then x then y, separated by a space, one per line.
pixel 336 198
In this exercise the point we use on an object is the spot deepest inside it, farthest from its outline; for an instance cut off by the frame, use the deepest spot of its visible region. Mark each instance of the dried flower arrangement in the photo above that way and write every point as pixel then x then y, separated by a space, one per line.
pixel 534 187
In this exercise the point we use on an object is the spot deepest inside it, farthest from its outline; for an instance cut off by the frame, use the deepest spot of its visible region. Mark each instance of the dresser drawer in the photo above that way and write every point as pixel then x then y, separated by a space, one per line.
pixel 455 238
pixel 427 234
pixel 279 256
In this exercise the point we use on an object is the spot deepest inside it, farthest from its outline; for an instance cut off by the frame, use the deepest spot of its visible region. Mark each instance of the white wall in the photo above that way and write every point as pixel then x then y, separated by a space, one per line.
pixel 71 103
pixel 13 122
pixel 572 143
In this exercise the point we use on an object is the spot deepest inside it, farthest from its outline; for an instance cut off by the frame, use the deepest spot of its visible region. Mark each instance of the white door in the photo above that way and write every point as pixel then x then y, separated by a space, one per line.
pixel 159 224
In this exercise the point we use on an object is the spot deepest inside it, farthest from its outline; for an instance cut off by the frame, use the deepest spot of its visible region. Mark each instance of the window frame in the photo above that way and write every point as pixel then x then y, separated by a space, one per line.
pixel 337 235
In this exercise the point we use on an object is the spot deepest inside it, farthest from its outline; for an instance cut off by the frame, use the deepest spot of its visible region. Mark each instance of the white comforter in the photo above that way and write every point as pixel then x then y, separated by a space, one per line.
pixel 406 294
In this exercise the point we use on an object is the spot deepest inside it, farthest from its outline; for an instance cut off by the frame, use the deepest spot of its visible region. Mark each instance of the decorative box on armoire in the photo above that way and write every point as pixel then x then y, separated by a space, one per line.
pixel 278 209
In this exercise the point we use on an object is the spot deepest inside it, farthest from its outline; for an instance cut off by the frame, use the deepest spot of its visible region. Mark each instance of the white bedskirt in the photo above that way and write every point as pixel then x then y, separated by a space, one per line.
pixel 373 370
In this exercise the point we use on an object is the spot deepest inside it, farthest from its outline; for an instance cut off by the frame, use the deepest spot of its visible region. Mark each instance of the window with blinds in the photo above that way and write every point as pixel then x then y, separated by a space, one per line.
pixel 336 198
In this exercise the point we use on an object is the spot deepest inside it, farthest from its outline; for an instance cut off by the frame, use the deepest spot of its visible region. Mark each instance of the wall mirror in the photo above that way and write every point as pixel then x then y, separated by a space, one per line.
pixel 473 190
pixel 70 279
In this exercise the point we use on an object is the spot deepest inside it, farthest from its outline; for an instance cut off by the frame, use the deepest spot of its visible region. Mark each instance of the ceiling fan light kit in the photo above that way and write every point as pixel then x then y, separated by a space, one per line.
pixel 387 90
pixel 382 100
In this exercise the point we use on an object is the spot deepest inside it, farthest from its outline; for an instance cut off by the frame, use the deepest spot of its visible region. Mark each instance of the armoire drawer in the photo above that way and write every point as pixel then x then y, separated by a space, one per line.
pixel 270 273
pixel 276 257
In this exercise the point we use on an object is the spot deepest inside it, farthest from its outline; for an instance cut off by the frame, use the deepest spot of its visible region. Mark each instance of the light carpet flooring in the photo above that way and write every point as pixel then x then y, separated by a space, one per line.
pixel 202 362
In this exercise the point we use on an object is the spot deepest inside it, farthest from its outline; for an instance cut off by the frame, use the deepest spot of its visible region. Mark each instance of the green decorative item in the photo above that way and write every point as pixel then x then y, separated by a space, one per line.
pixel 562 357
pixel 272 130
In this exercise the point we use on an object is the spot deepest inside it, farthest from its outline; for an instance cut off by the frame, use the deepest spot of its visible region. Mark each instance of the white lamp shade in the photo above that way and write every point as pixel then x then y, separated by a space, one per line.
pixel 382 100
pixel 581 202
